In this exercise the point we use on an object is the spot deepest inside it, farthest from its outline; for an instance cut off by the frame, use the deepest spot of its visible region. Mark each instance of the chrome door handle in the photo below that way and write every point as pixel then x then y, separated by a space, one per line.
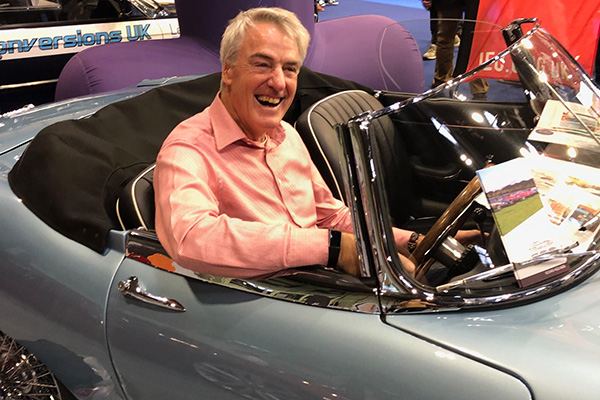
pixel 131 287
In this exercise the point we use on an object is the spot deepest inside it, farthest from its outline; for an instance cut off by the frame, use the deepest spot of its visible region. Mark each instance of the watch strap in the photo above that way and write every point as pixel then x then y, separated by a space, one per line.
pixel 335 244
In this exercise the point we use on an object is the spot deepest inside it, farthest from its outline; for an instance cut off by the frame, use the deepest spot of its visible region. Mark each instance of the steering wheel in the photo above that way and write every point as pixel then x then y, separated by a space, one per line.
pixel 447 225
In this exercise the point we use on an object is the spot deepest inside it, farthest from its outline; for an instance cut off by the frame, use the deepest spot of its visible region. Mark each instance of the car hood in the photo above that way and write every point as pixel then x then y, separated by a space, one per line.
pixel 553 345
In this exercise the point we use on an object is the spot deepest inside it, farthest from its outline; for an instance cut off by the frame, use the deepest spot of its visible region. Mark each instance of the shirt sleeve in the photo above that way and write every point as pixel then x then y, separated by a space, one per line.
pixel 331 212
pixel 198 237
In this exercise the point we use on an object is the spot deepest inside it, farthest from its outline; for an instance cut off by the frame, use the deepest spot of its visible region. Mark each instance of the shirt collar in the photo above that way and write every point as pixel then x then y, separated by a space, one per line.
pixel 227 131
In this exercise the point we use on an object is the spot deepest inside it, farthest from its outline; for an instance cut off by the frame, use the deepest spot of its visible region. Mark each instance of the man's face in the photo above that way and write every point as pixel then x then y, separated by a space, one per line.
pixel 260 86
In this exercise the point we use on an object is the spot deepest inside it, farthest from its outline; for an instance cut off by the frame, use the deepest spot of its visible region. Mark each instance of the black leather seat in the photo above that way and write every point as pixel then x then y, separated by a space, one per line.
pixel 317 128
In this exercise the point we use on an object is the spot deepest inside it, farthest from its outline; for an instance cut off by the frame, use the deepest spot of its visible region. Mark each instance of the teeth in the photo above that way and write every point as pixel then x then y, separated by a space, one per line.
pixel 268 99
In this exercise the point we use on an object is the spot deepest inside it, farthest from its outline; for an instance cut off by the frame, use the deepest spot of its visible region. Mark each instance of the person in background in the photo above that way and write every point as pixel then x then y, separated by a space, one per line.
pixel 450 13
pixel 433 21
pixel 324 3
pixel 430 52
pixel 320 6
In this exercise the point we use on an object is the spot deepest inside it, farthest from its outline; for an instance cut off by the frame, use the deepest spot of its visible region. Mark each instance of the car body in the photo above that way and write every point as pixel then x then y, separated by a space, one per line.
pixel 38 37
pixel 122 321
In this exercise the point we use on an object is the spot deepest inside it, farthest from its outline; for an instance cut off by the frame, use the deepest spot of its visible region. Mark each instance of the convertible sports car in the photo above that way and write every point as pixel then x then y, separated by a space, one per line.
pixel 93 308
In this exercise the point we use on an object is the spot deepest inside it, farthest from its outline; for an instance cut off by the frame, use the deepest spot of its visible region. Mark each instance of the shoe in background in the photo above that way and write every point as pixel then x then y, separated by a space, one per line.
pixel 430 53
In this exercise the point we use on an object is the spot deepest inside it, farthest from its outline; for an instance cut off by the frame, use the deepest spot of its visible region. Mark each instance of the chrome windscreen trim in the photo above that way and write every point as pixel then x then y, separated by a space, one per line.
pixel 394 284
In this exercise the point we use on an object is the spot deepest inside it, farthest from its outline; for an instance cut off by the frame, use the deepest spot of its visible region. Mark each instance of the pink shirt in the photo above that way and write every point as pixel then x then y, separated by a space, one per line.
pixel 228 206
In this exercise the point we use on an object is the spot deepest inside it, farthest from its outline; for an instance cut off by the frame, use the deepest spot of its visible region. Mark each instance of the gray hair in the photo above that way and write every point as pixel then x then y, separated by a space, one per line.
pixel 285 20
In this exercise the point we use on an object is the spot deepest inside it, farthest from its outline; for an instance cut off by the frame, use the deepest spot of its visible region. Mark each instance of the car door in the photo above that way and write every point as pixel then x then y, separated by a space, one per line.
pixel 309 336
pixel 228 343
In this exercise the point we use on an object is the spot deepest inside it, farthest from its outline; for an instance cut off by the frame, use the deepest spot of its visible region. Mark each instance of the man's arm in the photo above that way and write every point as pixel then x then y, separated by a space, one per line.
pixel 199 237
pixel 333 214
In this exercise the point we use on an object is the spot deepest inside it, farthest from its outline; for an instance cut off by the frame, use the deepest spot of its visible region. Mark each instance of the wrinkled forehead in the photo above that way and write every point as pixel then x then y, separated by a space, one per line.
pixel 269 41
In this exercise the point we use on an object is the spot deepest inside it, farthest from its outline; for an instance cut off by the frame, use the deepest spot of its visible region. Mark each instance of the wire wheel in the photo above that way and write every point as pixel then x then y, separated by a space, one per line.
pixel 22 375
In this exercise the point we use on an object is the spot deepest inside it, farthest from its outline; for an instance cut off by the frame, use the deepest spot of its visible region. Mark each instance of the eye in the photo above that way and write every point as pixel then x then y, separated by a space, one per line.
pixel 291 69
pixel 261 65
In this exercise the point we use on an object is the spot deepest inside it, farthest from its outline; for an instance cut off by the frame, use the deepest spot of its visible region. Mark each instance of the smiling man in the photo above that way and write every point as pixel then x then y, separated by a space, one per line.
pixel 259 79
pixel 237 194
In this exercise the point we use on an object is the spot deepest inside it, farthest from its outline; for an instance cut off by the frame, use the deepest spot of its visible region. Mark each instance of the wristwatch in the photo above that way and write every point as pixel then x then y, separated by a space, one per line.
pixel 335 243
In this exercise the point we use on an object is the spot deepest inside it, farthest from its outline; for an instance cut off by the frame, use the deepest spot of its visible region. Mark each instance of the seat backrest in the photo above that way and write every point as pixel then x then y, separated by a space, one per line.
pixel 135 205
pixel 317 128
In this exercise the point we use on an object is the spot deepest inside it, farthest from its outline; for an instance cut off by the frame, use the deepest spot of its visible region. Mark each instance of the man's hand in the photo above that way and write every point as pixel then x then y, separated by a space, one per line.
pixel 427 4
pixel 408 265
pixel 469 236
pixel 348 258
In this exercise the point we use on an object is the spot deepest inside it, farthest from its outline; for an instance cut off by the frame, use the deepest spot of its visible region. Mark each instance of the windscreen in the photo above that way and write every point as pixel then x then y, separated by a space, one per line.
pixel 523 129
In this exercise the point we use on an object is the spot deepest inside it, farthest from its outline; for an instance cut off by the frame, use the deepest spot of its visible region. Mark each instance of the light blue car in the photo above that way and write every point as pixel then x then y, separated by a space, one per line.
pixel 93 308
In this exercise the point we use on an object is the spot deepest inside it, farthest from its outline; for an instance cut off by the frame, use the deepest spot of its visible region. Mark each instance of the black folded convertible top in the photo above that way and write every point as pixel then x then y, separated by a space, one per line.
pixel 72 172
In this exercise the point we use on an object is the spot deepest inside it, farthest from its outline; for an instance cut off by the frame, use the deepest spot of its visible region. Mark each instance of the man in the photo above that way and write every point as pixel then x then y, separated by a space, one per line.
pixel 450 14
pixel 433 22
pixel 236 192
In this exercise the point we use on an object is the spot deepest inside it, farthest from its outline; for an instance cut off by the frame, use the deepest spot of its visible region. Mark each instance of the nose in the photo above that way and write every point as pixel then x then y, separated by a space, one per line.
pixel 277 79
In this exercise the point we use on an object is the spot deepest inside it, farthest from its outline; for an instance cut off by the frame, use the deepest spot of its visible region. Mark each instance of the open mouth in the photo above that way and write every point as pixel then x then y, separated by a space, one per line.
pixel 269 101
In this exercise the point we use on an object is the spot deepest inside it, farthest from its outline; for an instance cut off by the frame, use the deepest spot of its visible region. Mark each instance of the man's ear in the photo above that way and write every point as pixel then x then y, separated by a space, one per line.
pixel 227 73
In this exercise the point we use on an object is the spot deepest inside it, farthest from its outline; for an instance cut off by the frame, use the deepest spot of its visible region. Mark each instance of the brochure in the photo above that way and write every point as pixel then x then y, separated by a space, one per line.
pixel 572 192
pixel 523 221
pixel 570 124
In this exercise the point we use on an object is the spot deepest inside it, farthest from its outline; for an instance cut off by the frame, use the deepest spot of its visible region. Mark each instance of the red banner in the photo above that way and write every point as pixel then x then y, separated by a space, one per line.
pixel 574 23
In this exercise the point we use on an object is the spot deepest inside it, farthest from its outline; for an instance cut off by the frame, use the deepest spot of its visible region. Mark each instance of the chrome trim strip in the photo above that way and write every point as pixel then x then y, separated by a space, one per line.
pixel 135 202
pixel 353 185
pixel 134 197
pixel 27 84
pixel 314 286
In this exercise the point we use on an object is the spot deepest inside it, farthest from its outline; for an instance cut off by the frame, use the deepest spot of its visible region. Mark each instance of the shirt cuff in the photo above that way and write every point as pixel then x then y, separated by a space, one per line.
pixel 308 247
